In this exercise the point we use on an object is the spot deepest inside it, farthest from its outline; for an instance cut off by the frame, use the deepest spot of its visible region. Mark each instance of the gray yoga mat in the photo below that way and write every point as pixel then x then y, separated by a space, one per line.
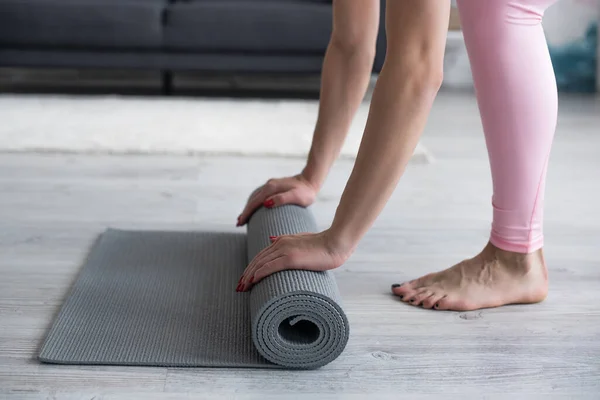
pixel 168 299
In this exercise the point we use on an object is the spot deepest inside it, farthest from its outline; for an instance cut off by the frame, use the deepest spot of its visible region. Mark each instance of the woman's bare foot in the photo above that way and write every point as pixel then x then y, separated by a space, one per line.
pixel 491 279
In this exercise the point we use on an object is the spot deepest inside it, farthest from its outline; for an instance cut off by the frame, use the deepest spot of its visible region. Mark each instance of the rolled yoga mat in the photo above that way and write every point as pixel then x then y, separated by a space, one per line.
pixel 168 299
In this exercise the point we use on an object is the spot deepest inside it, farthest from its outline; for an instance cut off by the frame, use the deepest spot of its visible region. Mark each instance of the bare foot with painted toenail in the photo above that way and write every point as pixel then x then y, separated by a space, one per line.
pixel 491 279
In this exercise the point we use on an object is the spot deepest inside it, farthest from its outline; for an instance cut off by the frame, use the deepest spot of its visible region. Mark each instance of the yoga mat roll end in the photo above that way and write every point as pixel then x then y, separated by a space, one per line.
pixel 297 318
pixel 299 329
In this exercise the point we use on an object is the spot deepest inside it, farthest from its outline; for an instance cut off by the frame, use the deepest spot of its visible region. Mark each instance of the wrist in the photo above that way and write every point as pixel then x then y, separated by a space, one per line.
pixel 313 176
pixel 339 242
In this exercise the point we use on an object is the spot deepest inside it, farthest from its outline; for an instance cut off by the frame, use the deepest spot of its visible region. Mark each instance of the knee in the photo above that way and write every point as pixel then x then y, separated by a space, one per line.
pixel 421 72
pixel 353 43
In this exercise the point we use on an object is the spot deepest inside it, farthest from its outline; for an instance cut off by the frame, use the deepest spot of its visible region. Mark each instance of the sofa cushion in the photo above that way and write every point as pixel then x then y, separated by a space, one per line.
pixel 82 23
pixel 248 26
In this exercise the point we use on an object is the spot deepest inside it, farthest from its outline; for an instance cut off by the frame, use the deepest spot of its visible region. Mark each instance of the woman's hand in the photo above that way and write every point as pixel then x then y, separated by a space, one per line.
pixel 309 251
pixel 276 192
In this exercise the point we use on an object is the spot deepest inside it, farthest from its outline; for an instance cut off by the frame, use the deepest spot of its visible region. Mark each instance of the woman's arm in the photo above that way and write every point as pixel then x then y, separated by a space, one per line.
pixel 403 96
pixel 344 80
pixel 408 83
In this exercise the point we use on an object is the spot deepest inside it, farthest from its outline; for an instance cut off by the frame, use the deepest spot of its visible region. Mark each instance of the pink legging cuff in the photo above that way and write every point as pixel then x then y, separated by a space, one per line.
pixel 527 247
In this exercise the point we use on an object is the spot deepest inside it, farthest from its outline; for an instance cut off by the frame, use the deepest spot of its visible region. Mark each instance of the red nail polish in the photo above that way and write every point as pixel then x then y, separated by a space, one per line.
pixel 272 237
pixel 269 203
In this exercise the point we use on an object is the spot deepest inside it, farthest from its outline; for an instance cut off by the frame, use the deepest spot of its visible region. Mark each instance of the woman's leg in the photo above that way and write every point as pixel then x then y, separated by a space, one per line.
pixel 516 93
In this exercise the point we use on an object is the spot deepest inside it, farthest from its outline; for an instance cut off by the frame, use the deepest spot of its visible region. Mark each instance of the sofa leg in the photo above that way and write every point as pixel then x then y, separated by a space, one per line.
pixel 167 82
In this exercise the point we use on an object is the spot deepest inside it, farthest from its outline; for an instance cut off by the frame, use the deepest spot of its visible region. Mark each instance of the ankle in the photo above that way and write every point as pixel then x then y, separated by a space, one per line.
pixel 522 261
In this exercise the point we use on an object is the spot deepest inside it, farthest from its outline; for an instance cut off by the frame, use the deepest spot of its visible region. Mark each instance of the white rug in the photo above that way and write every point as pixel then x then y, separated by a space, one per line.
pixel 112 124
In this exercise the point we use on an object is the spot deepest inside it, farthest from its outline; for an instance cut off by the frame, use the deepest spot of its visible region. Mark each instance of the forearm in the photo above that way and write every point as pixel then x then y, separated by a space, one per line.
pixel 401 103
pixel 344 81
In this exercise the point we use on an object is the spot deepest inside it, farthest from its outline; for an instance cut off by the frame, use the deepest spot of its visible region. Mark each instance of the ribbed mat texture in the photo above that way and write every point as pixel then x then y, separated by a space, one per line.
pixel 168 299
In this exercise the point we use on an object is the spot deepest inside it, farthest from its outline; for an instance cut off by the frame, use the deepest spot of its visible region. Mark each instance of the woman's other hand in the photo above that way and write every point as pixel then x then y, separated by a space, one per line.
pixel 277 192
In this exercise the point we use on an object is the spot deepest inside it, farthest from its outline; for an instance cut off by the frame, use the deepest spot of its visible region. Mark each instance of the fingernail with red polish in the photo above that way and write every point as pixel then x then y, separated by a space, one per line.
pixel 272 237
pixel 269 203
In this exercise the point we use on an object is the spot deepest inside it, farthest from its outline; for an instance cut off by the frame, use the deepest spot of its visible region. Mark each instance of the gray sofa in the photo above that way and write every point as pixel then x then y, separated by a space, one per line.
pixel 169 35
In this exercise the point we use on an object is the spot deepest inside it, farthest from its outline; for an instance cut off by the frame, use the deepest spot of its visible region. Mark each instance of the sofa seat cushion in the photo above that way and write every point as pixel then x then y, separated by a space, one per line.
pixel 248 26
pixel 84 24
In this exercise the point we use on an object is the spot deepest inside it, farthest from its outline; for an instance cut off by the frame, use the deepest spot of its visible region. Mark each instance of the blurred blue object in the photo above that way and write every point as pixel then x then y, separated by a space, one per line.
pixel 575 63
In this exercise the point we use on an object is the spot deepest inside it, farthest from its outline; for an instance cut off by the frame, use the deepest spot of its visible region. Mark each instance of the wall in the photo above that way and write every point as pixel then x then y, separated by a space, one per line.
pixel 571 28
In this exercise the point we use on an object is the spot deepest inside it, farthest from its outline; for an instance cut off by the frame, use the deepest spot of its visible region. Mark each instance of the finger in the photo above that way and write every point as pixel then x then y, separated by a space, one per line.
pixel 256 201
pixel 252 205
pixel 250 274
pixel 257 259
pixel 250 267
pixel 280 199
pixel 278 264
pixel 252 201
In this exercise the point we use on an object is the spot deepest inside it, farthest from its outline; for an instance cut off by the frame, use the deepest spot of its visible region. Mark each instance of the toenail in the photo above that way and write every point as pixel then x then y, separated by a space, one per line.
pixel 395 285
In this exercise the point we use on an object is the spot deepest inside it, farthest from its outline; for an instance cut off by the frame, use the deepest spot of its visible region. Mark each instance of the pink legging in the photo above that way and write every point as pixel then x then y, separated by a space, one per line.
pixel 517 98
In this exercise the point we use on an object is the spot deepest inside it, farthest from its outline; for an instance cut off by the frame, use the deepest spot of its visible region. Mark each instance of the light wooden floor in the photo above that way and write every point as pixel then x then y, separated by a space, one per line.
pixel 52 207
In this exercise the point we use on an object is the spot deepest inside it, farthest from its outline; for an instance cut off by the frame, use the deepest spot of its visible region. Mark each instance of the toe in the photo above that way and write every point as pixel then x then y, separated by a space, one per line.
pixel 407 289
pixel 421 296
pixel 430 301
pixel 442 304
pixel 402 290
pixel 408 296
pixel 416 296
pixel 452 303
